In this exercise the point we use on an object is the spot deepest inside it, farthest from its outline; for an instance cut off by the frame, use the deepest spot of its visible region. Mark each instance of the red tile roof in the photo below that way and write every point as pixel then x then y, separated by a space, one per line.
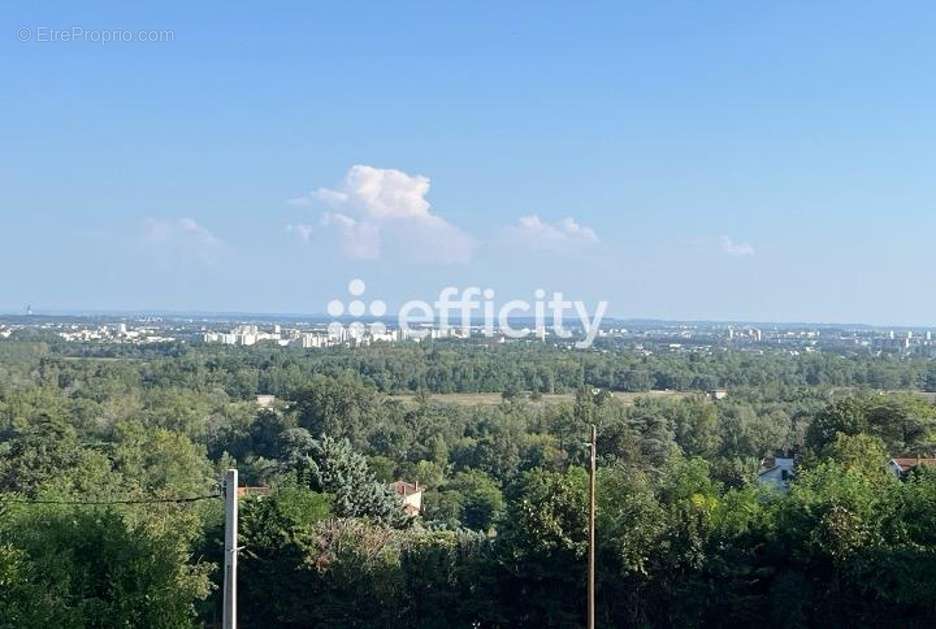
pixel 402 488
pixel 908 463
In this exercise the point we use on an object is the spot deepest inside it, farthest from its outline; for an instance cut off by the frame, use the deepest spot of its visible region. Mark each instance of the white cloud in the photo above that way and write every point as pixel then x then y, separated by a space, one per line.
pixel 380 193
pixel 303 232
pixel 356 239
pixel 733 248
pixel 182 237
pixel 564 235
pixel 374 206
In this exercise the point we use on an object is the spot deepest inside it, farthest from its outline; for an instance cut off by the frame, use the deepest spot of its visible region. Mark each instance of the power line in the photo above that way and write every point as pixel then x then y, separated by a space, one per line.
pixel 128 501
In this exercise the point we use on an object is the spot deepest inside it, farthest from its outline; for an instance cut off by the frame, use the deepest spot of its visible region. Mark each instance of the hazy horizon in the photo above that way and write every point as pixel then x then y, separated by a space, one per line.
pixel 324 317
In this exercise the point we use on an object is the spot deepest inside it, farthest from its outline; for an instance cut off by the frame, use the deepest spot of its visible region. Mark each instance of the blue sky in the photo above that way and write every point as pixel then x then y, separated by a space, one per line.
pixel 744 161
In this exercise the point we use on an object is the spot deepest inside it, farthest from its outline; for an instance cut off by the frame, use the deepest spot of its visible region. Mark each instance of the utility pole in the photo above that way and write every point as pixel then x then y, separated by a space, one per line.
pixel 229 618
pixel 591 527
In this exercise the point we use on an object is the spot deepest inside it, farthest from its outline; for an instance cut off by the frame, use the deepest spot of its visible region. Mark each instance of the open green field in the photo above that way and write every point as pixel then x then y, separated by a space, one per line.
pixel 493 399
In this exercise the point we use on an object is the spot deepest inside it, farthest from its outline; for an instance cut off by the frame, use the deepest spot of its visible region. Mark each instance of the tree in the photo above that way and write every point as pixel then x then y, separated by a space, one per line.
pixel 847 416
pixel 45 451
pixel 332 466
pixel 863 454
pixel 339 407
pixel 631 531
pixel 542 546
pixel 446 580
pixel 159 460
pixel 480 501
pixel 655 437
pixel 904 423
pixel 275 531
pixel 695 424
pixel 94 567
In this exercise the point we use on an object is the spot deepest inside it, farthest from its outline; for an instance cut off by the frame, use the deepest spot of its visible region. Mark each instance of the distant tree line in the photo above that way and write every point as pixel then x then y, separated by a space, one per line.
pixel 449 367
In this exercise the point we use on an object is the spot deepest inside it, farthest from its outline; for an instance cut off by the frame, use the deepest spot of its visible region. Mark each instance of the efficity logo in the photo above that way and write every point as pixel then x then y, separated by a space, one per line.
pixel 462 311
pixel 357 308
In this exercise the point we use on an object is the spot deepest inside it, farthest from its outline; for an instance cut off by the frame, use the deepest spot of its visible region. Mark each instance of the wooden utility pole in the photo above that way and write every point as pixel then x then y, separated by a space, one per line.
pixel 229 618
pixel 591 527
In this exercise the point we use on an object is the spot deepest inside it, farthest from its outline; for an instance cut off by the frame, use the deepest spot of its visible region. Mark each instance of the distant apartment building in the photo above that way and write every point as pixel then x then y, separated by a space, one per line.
pixel 242 335
pixel 309 340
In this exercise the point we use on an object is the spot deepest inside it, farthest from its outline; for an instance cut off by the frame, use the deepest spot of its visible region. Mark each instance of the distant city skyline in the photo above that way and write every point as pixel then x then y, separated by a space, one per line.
pixel 682 162
pixel 311 333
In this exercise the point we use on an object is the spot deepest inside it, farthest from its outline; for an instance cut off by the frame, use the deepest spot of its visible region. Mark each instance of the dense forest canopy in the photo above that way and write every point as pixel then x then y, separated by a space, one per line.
pixel 445 367
pixel 686 534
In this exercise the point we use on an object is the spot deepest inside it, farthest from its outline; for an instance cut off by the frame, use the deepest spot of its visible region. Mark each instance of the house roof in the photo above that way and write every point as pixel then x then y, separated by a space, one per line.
pixel 771 463
pixel 908 463
pixel 402 488
pixel 253 491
